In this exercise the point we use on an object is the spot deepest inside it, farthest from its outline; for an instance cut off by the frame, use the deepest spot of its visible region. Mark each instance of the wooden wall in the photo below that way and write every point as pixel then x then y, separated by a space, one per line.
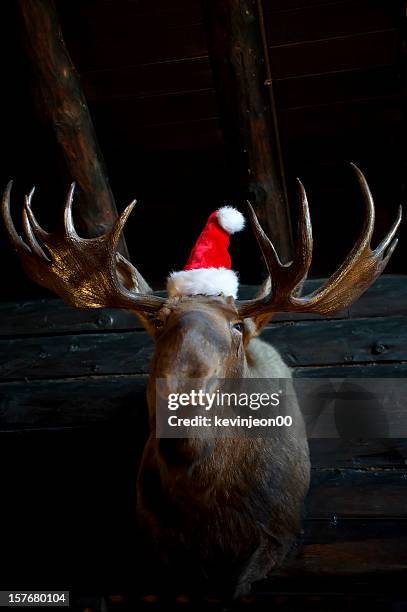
pixel 73 422
pixel 339 79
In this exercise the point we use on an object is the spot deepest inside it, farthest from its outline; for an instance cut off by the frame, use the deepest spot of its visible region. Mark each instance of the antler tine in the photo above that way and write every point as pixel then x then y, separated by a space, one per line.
pixel 368 227
pixel 284 277
pixel 359 270
pixel 28 232
pixel 271 258
pixel 118 227
pixel 386 241
pixel 303 252
pixel 35 226
pixel 16 240
pixel 83 272
pixel 69 226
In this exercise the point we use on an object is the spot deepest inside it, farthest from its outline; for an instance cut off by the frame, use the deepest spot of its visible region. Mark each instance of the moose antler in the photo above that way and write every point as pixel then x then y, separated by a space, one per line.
pixel 84 272
pixel 359 270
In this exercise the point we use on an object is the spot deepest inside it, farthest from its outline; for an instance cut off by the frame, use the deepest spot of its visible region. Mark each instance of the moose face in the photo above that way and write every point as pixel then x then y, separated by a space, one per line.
pixel 198 337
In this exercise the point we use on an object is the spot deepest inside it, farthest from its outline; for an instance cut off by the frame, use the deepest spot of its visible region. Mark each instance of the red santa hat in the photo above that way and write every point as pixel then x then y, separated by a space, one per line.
pixel 208 270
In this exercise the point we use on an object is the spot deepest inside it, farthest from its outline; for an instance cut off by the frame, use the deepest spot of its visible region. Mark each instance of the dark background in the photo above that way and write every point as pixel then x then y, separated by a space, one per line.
pixel 339 78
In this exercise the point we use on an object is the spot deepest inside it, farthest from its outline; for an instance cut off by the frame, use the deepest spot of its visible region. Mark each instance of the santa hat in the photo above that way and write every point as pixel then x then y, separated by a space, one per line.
pixel 208 270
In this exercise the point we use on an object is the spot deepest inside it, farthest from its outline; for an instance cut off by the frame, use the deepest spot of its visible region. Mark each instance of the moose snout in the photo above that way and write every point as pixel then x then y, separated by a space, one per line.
pixel 191 360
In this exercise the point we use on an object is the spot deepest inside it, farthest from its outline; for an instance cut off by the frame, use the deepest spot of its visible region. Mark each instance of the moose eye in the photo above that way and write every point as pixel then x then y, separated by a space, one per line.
pixel 157 323
pixel 238 327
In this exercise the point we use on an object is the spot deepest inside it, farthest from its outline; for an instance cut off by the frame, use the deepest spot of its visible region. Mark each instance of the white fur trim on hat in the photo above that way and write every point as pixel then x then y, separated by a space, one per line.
pixel 230 219
pixel 203 281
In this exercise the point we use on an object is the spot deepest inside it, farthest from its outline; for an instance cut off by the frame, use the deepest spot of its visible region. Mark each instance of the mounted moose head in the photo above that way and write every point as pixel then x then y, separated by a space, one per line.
pixel 223 513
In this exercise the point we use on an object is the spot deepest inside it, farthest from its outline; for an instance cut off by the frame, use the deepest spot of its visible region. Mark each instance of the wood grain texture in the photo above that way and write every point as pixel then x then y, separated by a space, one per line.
pixel 177 41
pixel 64 105
pixel 359 454
pixel 84 400
pixel 58 404
pixel 341 493
pixel 337 87
pixel 359 370
pixel 357 341
pixel 147 80
pixel 333 54
pixel 84 355
pixel 329 20
pixel 387 297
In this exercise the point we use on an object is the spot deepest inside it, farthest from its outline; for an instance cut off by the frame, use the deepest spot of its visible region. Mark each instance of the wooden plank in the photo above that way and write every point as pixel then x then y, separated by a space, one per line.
pixel 387 297
pixel 91 51
pixel 192 136
pixel 361 341
pixel 352 529
pixel 107 17
pixel 333 175
pixel 183 77
pixel 355 141
pixel 351 546
pixel 147 80
pixel 52 316
pixel 154 110
pixel 354 409
pixel 52 404
pixel 344 86
pixel 368 370
pixel 67 356
pixel 365 493
pixel 77 401
pixel 378 453
pixel 343 120
pixel 342 53
pixel 350 558
pixel 335 494
pixel 330 20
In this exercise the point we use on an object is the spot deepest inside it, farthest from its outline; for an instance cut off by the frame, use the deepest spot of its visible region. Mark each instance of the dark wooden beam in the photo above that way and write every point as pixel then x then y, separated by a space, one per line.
pixel 238 53
pixel 64 105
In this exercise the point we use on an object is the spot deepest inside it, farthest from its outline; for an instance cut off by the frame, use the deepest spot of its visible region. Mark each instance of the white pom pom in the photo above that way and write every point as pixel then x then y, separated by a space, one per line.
pixel 230 219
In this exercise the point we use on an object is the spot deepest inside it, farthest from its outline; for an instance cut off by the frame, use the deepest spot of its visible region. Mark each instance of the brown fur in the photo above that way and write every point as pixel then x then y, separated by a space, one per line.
pixel 218 514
